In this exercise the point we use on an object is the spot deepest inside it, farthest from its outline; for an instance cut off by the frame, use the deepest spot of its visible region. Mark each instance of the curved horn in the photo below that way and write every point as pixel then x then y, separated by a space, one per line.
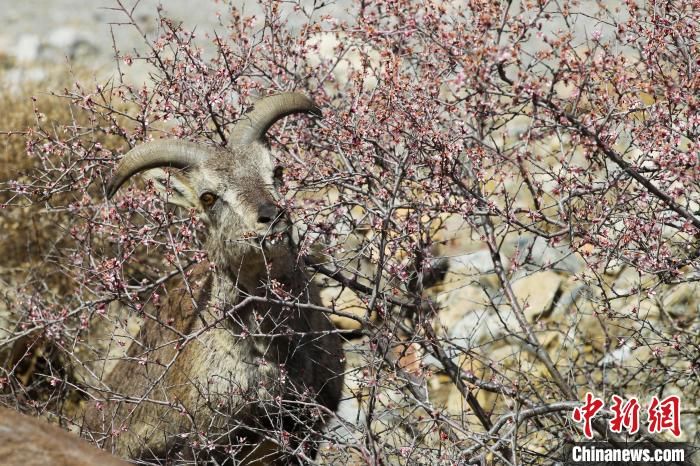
pixel 162 153
pixel 254 124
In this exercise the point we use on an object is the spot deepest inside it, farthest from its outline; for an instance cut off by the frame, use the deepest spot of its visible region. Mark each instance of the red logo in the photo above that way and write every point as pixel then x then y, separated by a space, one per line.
pixel 665 415
pixel 586 413
pixel 625 415
pixel 662 414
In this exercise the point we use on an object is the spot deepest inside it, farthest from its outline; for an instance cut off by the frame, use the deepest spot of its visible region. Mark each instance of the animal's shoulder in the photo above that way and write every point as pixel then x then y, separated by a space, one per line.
pixel 186 295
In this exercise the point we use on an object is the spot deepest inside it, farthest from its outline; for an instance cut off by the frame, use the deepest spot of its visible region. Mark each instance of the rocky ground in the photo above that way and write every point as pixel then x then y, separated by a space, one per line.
pixel 45 36
pixel 38 36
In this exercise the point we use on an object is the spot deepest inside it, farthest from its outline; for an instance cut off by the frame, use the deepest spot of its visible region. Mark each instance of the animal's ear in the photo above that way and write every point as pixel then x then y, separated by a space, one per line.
pixel 174 187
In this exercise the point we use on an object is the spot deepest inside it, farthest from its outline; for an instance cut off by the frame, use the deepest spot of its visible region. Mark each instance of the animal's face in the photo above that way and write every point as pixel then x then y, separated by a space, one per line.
pixel 233 189
pixel 236 194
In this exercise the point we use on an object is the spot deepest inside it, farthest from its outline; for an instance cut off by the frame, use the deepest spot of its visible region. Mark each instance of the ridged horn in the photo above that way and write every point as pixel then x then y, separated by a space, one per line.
pixel 254 124
pixel 161 153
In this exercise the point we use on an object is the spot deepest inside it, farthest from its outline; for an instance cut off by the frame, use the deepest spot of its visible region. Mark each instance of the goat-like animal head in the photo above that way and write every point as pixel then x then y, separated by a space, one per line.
pixel 234 188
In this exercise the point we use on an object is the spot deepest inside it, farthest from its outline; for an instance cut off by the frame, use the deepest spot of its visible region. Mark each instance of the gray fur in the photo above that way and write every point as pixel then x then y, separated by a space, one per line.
pixel 243 366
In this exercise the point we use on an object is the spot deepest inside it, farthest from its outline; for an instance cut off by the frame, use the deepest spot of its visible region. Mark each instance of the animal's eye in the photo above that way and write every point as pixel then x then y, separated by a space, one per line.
pixel 278 173
pixel 208 199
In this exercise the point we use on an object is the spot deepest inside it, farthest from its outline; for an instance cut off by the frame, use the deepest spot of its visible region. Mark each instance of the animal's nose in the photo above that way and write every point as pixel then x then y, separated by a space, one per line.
pixel 267 212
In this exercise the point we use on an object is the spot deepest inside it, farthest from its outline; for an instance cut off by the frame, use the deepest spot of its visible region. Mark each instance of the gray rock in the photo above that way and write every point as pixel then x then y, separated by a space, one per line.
pixel 617 357
pixel 537 253
pixel 476 262
pixel 15 78
pixel 27 48
pixel 68 42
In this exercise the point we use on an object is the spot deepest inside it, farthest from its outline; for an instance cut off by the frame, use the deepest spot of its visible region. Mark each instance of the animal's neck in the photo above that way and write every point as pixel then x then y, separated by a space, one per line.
pixel 268 292
pixel 236 285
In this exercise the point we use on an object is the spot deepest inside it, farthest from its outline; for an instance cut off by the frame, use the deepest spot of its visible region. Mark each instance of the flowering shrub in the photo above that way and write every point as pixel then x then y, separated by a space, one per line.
pixel 504 214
